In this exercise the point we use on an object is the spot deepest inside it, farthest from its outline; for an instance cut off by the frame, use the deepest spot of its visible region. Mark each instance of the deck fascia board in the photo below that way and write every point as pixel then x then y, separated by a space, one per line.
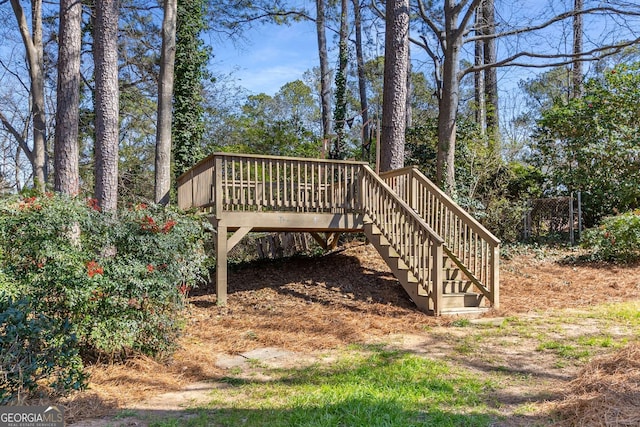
pixel 292 221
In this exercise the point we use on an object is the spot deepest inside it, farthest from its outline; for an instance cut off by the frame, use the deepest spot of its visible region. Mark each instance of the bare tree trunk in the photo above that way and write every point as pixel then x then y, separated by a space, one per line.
pixel 362 83
pixel 325 83
pixel 491 76
pixel 409 110
pixel 394 101
pixel 577 72
pixel 67 178
pixel 478 76
pixel 448 103
pixel 34 50
pixel 165 95
pixel 105 54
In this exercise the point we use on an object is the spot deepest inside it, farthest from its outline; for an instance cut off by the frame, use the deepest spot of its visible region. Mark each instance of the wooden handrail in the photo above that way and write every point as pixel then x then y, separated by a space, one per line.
pixel 444 197
pixel 473 248
pixel 230 182
pixel 262 156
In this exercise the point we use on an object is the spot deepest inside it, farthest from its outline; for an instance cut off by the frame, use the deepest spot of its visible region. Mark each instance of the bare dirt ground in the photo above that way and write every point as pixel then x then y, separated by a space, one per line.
pixel 300 307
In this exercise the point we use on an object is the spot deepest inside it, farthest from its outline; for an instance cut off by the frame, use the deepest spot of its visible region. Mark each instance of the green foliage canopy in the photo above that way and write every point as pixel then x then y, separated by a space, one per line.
pixel 591 144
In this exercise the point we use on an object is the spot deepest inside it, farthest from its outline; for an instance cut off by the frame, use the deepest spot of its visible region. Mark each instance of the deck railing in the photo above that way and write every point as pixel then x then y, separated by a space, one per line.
pixel 417 244
pixel 471 246
pixel 245 182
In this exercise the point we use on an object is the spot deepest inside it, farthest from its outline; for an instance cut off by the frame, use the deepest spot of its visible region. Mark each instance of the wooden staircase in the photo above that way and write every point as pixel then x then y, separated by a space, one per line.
pixel 446 285
pixel 444 259
pixel 457 294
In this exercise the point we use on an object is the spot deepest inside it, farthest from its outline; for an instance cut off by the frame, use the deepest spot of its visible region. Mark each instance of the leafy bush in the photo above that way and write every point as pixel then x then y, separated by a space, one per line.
pixel 35 350
pixel 616 239
pixel 119 280
pixel 504 218
pixel 590 143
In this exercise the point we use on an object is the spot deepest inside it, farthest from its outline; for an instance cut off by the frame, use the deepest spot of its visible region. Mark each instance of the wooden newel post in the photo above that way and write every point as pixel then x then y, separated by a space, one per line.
pixel 221 235
pixel 495 276
pixel 436 277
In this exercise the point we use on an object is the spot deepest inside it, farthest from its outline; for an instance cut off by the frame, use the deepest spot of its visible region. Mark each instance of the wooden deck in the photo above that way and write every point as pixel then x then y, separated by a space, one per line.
pixel 422 234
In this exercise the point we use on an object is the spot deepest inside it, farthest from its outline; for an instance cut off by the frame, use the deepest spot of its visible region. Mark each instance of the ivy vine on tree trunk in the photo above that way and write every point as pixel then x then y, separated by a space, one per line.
pixel 191 61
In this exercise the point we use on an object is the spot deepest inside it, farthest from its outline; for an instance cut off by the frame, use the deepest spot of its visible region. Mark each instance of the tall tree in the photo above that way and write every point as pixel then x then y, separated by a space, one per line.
pixel 576 72
pixel 67 178
pixel 491 76
pixel 394 102
pixel 325 85
pixel 478 76
pixel 105 56
pixel 340 116
pixel 362 82
pixel 190 71
pixel 32 41
pixel 165 96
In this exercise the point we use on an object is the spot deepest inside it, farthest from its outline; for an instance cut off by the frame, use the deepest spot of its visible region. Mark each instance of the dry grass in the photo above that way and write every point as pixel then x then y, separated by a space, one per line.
pixel 309 304
pixel 606 392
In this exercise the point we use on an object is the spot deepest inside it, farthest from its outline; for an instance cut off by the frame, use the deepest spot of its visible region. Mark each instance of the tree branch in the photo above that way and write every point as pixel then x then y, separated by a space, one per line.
pixel 14 74
pixel 469 14
pixel 557 18
pixel 564 59
pixel 19 139
pixel 431 24
pixel 377 10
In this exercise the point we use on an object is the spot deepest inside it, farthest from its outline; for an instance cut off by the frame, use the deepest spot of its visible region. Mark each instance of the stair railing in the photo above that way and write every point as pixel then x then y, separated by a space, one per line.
pixel 467 243
pixel 417 244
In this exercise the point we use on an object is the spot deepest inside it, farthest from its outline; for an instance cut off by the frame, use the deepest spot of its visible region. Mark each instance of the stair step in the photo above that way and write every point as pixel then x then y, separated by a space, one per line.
pixel 461 300
pixel 456 286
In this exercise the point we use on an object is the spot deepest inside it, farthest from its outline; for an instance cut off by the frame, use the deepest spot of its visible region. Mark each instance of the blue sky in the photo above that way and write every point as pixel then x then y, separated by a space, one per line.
pixel 271 56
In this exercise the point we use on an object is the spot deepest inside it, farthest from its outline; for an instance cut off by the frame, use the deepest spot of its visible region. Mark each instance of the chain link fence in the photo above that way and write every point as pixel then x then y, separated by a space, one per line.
pixel 554 219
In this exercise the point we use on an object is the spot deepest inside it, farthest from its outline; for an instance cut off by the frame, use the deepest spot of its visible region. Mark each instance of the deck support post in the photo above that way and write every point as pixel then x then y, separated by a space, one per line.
pixel 221 264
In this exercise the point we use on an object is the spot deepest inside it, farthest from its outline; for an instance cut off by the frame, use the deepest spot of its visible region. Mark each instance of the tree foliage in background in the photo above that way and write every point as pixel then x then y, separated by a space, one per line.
pixel 192 58
pixel 492 191
pixel 591 144
pixel 286 124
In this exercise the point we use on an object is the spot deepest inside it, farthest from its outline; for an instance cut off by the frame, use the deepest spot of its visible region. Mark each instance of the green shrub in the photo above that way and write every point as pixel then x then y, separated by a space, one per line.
pixel 36 350
pixel 75 281
pixel 616 239
pixel 120 280
pixel 504 218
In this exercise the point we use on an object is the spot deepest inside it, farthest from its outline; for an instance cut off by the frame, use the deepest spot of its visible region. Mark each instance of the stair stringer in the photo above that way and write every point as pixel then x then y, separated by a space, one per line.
pixel 473 249
pixel 422 298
